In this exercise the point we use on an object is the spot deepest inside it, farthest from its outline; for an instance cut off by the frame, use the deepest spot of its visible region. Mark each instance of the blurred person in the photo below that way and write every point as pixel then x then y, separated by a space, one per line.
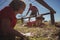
pixel 34 11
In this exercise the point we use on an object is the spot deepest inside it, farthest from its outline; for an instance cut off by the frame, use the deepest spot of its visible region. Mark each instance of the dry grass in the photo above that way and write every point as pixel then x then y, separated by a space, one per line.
pixel 45 33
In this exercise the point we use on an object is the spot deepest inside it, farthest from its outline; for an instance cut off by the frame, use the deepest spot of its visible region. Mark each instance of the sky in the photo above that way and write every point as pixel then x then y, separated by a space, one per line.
pixel 55 4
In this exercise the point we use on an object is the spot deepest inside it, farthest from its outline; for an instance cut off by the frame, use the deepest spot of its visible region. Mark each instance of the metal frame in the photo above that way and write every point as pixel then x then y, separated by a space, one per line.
pixel 52 11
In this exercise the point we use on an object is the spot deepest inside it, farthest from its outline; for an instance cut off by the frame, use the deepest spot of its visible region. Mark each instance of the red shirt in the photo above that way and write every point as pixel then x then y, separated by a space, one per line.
pixel 31 23
pixel 8 12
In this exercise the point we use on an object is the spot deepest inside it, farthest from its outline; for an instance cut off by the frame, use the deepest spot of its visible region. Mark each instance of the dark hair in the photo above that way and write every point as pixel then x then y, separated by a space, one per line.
pixel 16 5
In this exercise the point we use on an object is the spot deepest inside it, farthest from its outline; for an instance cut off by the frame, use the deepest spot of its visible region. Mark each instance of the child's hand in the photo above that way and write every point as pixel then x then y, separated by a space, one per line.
pixel 24 38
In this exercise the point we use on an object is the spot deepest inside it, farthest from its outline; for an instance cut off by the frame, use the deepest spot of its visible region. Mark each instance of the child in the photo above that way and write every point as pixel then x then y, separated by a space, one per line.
pixel 8 20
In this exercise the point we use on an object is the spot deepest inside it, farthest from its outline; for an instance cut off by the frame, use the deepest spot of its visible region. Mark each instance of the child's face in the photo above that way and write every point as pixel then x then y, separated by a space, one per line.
pixel 21 10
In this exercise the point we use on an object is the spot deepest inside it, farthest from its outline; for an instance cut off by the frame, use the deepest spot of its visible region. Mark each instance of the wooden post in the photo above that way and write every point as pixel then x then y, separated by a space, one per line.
pixel 52 18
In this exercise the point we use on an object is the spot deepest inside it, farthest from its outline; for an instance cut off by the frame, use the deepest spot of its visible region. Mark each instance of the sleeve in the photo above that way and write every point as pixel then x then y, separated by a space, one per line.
pixel 12 17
